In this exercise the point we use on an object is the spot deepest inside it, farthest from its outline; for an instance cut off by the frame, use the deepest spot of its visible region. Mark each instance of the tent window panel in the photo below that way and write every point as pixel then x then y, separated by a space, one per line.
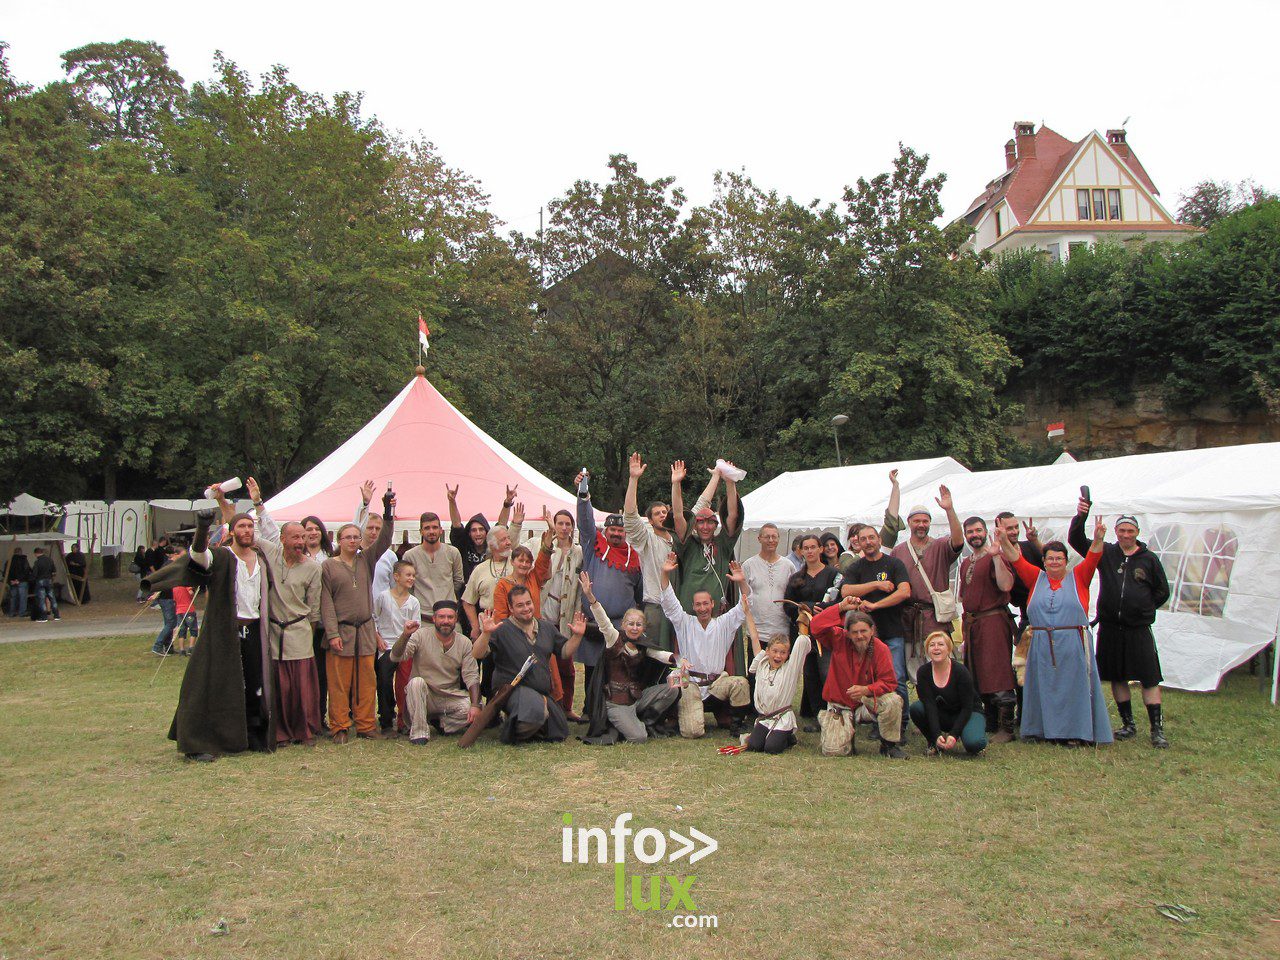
pixel 1099 204
pixel 1113 205
pixel 1082 205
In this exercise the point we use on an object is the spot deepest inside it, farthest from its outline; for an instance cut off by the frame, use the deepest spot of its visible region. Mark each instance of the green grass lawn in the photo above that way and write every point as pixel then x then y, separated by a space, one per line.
pixel 115 847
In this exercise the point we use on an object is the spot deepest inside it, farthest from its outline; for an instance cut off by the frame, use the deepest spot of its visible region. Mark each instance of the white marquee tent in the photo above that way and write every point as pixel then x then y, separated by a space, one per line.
pixel 1212 515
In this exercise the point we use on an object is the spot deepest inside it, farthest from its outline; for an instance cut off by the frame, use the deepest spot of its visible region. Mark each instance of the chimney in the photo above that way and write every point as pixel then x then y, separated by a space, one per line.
pixel 1025 131
pixel 1116 138
pixel 1010 155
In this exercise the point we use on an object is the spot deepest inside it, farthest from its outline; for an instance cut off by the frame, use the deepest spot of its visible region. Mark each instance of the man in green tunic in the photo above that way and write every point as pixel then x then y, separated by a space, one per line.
pixel 704 544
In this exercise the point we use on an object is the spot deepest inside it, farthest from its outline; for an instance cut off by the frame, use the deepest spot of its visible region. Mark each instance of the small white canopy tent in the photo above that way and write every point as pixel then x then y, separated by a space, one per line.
pixel 172 516
pixel 53 544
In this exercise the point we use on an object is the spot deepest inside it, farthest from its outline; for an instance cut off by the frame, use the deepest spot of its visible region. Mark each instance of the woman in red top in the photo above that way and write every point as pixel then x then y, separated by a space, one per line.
pixel 1062 696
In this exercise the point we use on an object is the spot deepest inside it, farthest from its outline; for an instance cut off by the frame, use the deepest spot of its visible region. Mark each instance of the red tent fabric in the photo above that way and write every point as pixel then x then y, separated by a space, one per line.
pixel 419 442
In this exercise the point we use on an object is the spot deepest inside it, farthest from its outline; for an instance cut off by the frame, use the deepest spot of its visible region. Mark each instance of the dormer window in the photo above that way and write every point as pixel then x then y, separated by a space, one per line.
pixel 1100 204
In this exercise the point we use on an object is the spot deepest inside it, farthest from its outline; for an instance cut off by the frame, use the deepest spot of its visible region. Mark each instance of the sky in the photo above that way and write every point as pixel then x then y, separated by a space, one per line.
pixel 806 97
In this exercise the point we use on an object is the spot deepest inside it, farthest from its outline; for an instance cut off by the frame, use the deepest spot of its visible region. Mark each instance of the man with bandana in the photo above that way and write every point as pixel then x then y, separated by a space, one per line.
pixel 704 546
pixel 1132 586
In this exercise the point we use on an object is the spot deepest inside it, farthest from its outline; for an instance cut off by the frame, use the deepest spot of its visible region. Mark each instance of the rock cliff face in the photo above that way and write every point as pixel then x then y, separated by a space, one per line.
pixel 1099 427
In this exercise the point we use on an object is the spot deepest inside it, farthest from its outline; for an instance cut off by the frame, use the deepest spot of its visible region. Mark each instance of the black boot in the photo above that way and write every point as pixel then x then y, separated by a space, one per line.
pixel 1005 734
pixel 1127 730
pixel 1156 715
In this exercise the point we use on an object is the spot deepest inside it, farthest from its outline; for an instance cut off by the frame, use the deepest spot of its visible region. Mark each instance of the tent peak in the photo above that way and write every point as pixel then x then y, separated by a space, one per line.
pixel 420 371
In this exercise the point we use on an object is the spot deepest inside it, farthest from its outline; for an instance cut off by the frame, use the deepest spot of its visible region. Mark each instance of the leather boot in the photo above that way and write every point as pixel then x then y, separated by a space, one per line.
pixel 1005 721
pixel 992 711
pixel 1158 739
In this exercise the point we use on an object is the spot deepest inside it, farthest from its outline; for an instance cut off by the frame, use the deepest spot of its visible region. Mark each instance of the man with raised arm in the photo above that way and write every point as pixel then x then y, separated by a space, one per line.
pixel 444 679
pixel 928 561
pixel 650 536
pixel 1132 586
pixel 346 609
pixel 705 641
pixel 613 565
pixel 530 711
pixel 985 581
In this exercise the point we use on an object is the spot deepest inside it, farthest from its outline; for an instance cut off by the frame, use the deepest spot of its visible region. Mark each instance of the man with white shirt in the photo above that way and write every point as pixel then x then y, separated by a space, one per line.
pixel 767 574
pixel 705 640
pixel 226 700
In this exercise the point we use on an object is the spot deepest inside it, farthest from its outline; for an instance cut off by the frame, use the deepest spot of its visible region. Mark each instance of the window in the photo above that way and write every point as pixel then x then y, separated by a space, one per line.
pixel 1099 204
pixel 999 223
pixel 1055 252
pixel 1113 205
pixel 1082 205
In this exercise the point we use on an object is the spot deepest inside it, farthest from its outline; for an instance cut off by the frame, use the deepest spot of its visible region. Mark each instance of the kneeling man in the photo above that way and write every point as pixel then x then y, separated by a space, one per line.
pixel 531 713
pixel 444 682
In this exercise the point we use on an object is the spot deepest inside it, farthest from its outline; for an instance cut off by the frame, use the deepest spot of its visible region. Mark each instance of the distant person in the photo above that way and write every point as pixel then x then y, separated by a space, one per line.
pixel 168 611
pixel 42 574
pixel 19 582
pixel 188 620
pixel 78 574
pixel 1132 586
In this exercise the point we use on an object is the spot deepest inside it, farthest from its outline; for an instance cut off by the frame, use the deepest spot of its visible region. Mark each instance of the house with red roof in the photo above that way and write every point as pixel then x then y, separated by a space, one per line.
pixel 1056 194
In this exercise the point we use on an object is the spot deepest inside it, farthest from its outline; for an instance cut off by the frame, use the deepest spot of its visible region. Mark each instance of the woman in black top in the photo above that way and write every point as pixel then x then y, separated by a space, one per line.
pixel 831 549
pixel 948 713
pixel 808 587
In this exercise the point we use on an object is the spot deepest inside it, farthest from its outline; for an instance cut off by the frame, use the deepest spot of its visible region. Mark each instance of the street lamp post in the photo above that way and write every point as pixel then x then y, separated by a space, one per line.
pixel 838 421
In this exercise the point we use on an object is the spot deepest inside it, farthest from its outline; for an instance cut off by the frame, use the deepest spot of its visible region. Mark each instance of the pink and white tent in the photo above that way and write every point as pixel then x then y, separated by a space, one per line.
pixel 419 442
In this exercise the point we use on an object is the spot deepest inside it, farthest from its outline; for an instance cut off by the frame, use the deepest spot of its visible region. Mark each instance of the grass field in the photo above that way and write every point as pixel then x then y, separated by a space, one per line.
pixel 114 847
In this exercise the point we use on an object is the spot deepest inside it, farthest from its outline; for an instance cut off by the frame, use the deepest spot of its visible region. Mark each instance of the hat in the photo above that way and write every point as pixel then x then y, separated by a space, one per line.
pixel 1125 518
pixel 445 605
pixel 706 513
pixel 613 520
pixel 920 509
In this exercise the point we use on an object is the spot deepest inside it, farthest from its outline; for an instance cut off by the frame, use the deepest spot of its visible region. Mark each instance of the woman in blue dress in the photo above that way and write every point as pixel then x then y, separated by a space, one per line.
pixel 1062 695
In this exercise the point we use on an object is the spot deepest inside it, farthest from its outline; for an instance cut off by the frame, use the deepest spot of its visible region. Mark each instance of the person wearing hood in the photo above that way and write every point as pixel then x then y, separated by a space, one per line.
pixel 613 565
pixel 1132 586
pixel 472 540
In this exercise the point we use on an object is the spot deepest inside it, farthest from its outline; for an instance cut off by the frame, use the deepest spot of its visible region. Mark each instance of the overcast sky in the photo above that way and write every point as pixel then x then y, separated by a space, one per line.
pixel 527 97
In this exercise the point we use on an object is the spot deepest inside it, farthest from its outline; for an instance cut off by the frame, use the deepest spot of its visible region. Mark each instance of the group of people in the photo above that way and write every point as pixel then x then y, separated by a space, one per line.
pixel 305 634
pixel 31 588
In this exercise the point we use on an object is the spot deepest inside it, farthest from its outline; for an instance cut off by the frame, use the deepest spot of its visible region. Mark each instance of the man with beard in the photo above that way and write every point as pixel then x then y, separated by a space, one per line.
pixel 489 572
pixel 928 562
pixel 1132 586
pixel 1030 549
pixel 561 594
pixel 530 711
pixel 650 536
pixel 472 540
pixel 613 565
pixel 226 701
pixel 293 611
pixel 444 680
pixel 879 586
pixel 346 609
pixel 985 580
pixel 704 546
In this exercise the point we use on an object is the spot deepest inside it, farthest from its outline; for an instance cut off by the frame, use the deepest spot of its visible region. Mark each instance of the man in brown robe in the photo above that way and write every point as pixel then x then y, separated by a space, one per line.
pixel 346 610
pixel 928 561
pixel 985 580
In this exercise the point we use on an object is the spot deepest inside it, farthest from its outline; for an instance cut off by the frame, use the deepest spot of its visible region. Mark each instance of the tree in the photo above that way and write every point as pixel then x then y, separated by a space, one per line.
pixel 1212 200
pixel 129 83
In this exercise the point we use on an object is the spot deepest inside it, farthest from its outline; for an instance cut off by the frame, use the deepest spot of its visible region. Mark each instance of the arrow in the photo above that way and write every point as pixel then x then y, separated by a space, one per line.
pixel 686 846
pixel 711 847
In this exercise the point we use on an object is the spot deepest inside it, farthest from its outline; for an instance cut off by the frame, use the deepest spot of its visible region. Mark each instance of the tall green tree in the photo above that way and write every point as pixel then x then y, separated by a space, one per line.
pixel 129 84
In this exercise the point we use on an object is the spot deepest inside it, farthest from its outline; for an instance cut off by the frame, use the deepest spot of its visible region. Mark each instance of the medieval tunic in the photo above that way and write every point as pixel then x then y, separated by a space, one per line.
pixel 1062 697
pixel 293 613
pixel 936 559
pixel 653 547
pixel 439 575
pixel 530 705
pixel 439 680
pixel 224 703
pixel 616 580
pixel 618 696
pixel 776 686
pixel 560 597
pixel 988 627
pixel 346 609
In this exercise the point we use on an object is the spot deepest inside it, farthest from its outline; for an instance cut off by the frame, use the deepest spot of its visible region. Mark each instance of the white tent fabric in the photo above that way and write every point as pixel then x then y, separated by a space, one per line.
pixel 1213 517
pixel 52 541
pixel 170 516
pixel 835 496
pixel 25 505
